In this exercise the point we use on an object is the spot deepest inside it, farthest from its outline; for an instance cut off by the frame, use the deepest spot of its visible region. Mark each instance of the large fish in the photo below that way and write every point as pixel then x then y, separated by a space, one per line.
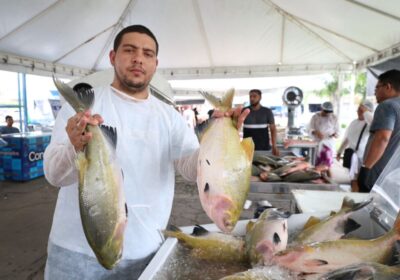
pixel 322 257
pixel 364 271
pixel 334 227
pixel 101 197
pixel 224 167
pixel 213 246
pixel 266 236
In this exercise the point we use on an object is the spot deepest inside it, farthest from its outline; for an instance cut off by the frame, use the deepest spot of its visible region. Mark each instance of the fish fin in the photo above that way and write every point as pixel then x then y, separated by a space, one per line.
pixel 315 262
pixel 350 225
pixel 126 210
pixel 199 231
pixel 224 103
pixel 353 206
pixel 79 101
pixel 110 133
pixel 173 231
pixel 173 228
pixel 332 213
pixel 250 226
pixel 81 164
pixel 312 221
pixel 248 147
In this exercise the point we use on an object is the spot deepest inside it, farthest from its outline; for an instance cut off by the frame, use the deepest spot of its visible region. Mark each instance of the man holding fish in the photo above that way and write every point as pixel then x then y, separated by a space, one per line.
pixel 114 151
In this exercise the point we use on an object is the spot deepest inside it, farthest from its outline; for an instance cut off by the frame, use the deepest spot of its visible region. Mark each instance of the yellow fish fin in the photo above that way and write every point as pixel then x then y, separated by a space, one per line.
pixel 81 164
pixel 248 147
pixel 311 222
pixel 249 226
pixel 223 104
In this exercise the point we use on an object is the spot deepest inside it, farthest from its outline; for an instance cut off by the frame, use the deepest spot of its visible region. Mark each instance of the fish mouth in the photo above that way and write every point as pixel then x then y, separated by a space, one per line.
pixel 267 250
pixel 221 213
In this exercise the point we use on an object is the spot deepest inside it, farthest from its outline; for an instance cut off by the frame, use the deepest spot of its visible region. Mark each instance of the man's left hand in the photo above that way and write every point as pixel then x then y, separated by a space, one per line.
pixel 235 113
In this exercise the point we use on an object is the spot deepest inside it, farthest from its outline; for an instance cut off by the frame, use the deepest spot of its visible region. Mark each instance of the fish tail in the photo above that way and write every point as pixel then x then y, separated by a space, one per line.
pixel 79 101
pixel 172 231
pixel 352 206
pixel 223 104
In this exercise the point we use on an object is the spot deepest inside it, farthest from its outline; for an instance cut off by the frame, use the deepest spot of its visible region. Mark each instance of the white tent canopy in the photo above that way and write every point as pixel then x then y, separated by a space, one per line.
pixel 202 38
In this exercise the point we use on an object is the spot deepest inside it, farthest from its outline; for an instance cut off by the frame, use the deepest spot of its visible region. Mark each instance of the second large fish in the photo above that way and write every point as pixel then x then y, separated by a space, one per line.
pixel 224 167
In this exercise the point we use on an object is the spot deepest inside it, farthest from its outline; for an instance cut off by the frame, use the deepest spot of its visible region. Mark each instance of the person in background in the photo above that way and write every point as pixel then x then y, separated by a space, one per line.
pixel 324 128
pixel 258 123
pixel 7 129
pixel 355 140
pixel 196 115
pixel 385 130
pixel 189 117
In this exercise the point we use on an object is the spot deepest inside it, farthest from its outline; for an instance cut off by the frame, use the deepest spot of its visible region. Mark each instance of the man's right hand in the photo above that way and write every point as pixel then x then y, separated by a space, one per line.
pixel 76 128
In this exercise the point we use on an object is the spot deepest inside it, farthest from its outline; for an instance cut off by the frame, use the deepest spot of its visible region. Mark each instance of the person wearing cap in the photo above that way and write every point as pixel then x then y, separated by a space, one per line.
pixel 324 128
pixel 384 132
pixel 355 140
pixel 258 123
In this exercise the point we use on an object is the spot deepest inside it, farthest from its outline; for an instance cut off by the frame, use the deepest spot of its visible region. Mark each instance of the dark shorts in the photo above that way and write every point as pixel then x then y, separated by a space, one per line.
pixel 63 264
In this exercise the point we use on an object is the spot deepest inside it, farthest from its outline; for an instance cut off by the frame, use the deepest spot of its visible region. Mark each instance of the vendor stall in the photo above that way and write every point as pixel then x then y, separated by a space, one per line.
pixel 375 219
pixel 22 158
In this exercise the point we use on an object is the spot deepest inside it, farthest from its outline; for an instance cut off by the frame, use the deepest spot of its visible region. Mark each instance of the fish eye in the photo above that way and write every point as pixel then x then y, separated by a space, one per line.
pixel 277 239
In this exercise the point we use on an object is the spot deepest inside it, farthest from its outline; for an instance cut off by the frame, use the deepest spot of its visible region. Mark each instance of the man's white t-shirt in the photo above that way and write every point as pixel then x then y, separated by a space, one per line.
pixel 151 136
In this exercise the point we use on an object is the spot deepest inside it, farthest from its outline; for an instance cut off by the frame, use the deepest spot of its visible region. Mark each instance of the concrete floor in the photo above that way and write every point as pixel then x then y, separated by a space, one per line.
pixel 26 212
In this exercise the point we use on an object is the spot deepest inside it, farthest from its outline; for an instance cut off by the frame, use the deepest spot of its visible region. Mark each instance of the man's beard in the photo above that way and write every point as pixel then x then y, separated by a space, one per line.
pixel 255 104
pixel 130 85
pixel 134 87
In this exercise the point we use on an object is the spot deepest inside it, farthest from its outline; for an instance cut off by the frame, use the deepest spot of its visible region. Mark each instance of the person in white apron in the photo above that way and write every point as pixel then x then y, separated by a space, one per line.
pixel 324 128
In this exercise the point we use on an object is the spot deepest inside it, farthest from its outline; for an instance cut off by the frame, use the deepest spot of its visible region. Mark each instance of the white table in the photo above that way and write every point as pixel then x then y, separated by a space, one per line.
pixel 323 201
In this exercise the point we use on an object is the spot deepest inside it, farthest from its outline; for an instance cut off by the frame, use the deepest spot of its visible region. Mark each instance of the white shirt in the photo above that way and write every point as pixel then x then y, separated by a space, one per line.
pixel 352 135
pixel 151 136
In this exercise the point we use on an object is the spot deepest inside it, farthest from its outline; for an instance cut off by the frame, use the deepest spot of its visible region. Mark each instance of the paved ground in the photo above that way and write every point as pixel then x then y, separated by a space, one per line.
pixel 26 211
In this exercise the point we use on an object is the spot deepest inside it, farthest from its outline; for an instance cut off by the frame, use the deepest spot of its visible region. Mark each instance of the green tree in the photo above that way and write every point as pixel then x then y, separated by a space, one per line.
pixel 361 84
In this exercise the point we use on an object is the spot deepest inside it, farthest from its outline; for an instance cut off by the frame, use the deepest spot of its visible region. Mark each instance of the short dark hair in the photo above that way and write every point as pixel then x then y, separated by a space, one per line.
pixel 391 77
pixel 134 28
pixel 82 87
pixel 8 117
pixel 256 91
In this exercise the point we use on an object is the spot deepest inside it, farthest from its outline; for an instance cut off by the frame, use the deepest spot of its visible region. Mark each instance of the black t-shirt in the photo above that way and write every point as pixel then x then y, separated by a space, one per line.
pixel 256 126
